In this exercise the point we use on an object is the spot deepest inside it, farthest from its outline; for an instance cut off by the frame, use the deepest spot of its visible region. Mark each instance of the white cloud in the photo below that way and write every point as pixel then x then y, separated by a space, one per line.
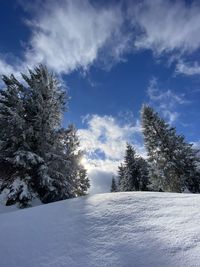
pixel 104 141
pixel 196 144
pixel 5 68
pixel 167 26
pixel 188 68
pixel 69 35
pixel 165 101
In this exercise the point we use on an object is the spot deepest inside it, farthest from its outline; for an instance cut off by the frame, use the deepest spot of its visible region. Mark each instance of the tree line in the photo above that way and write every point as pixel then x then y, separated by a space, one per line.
pixel 172 164
pixel 38 158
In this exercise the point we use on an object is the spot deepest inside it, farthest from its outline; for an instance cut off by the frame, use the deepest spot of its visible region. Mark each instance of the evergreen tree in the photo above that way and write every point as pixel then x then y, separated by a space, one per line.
pixel 70 177
pixel 121 177
pixel 44 108
pixel 16 160
pixel 143 176
pixel 40 159
pixel 133 173
pixel 113 185
pixel 173 162
pixel 131 178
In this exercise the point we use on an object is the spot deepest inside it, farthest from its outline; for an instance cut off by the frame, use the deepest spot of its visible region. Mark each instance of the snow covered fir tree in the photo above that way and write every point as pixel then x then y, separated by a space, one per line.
pixel 133 172
pixel 38 159
pixel 173 162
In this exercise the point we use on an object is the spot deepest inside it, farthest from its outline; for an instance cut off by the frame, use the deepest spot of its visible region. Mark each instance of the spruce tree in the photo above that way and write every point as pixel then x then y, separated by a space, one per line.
pixel 131 179
pixel 41 159
pixel 143 174
pixel 133 173
pixel 16 159
pixel 173 162
pixel 70 177
pixel 44 107
pixel 121 177
pixel 113 185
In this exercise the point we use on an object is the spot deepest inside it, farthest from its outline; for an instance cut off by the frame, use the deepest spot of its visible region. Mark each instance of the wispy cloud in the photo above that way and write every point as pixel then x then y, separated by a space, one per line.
pixel 188 68
pixel 166 101
pixel 167 26
pixel 69 35
pixel 5 67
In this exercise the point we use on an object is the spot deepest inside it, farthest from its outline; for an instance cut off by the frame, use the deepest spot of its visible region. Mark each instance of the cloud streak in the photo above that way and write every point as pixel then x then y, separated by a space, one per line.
pixel 72 35
pixel 166 101
pixel 69 35
pixel 167 26
pixel 188 68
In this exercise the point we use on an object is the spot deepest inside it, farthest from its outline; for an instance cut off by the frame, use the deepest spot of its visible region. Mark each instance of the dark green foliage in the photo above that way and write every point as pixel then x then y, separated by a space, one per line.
pixel 133 173
pixel 37 158
pixel 113 185
pixel 173 162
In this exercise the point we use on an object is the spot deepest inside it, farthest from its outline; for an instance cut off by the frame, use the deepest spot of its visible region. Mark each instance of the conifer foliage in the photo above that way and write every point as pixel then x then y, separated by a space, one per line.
pixel 173 162
pixel 133 172
pixel 37 157
pixel 113 185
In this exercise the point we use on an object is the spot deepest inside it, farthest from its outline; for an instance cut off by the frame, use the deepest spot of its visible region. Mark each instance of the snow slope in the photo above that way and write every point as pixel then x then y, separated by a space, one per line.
pixel 118 229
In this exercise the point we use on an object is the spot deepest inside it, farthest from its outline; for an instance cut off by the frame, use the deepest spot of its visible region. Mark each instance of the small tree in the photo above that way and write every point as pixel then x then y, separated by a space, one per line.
pixel 121 177
pixel 70 177
pixel 133 173
pixel 113 185
pixel 143 174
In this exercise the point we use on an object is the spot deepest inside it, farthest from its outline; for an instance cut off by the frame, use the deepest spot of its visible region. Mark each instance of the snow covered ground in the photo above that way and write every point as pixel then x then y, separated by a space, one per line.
pixel 118 229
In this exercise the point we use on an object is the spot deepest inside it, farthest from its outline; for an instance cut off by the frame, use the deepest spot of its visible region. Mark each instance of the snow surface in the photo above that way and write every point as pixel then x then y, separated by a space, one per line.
pixel 116 229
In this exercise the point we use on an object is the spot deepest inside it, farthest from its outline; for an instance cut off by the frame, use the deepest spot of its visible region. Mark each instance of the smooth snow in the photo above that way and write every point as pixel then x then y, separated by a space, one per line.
pixel 116 229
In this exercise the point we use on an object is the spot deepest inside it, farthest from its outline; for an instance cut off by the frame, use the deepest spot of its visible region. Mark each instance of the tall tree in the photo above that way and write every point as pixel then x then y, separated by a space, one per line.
pixel 41 159
pixel 16 160
pixel 44 106
pixel 173 162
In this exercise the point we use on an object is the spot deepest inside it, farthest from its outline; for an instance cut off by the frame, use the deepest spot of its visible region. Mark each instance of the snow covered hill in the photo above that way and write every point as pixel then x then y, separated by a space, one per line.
pixel 118 229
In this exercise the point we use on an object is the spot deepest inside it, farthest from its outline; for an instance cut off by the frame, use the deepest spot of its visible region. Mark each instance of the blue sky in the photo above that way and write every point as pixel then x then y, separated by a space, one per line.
pixel 112 56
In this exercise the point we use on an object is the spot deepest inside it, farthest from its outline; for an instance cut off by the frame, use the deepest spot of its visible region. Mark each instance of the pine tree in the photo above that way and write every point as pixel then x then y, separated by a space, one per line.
pixel 173 162
pixel 113 185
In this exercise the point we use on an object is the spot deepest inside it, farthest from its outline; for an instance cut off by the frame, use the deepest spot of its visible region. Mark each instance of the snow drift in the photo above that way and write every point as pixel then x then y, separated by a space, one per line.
pixel 118 229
